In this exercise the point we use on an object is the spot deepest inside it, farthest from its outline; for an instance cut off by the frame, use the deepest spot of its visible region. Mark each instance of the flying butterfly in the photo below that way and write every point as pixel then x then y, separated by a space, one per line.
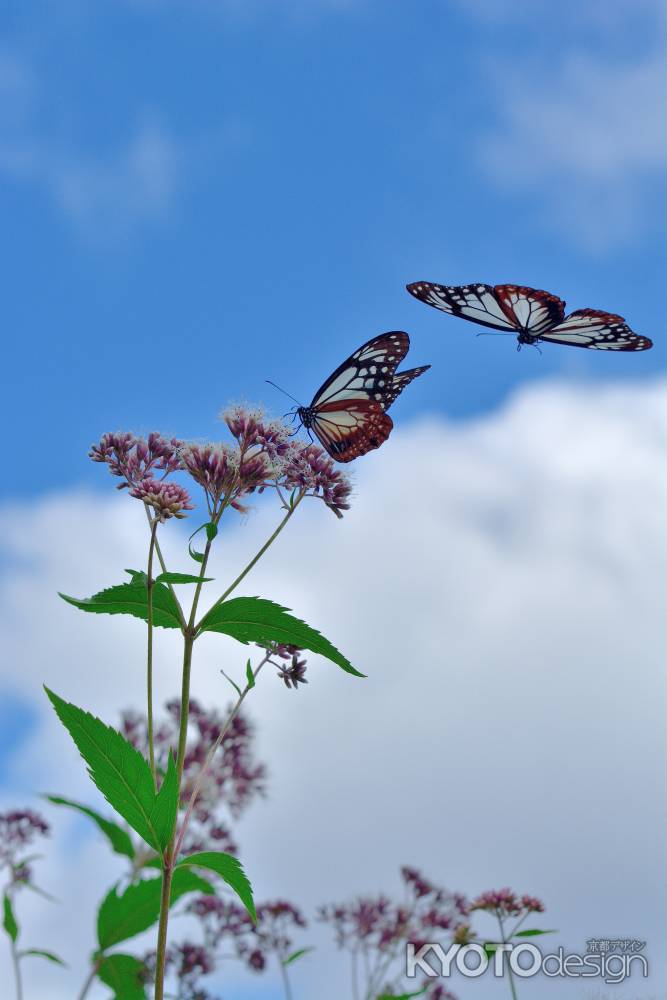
pixel 348 413
pixel 533 315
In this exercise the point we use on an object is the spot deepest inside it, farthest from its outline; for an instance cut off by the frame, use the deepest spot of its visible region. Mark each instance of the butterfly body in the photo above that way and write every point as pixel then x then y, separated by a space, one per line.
pixel 532 315
pixel 348 412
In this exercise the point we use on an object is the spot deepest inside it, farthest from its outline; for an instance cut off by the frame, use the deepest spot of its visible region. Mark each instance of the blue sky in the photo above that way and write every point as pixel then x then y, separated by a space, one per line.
pixel 196 197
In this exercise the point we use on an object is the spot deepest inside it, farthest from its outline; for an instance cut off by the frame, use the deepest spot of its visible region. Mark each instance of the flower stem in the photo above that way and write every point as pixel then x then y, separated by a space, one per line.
pixel 89 981
pixel 255 559
pixel 211 754
pixel 163 567
pixel 149 652
pixel 286 982
pixel 16 963
pixel 504 940
pixel 169 858
pixel 167 875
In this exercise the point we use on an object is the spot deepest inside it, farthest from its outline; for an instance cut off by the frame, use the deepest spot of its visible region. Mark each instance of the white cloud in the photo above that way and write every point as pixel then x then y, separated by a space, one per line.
pixel 103 196
pixel 579 116
pixel 586 140
pixel 501 582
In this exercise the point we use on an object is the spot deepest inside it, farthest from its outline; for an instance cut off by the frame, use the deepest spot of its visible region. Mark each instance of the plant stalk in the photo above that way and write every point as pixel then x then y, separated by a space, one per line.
pixel 255 559
pixel 286 982
pixel 89 981
pixel 211 754
pixel 504 940
pixel 167 875
pixel 170 856
pixel 149 651
pixel 163 567
pixel 16 963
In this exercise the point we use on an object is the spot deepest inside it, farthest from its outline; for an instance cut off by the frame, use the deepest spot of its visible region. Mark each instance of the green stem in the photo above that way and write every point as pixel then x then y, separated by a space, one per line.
pixel 167 875
pixel 149 652
pixel 169 856
pixel 286 982
pixel 255 559
pixel 163 567
pixel 16 963
pixel 504 940
pixel 211 754
pixel 89 981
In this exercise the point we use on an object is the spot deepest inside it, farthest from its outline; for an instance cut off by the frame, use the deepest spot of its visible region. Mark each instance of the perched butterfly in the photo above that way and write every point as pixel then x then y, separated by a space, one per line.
pixel 532 315
pixel 348 413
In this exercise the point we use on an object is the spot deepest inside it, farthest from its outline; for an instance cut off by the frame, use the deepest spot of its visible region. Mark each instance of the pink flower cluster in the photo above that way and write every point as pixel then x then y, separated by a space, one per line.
pixel 134 458
pixel 166 499
pixel 226 923
pixel 18 828
pixel 233 778
pixel 381 923
pixel 263 456
pixel 507 903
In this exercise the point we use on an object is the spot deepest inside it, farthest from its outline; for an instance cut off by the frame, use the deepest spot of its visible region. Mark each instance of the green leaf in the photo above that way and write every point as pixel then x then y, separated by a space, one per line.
pixel 122 973
pixel 230 871
pixel 132 599
pixel 490 948
pixel 296 955
pixel 197 556
pixel 120 772
pixel 403 996
pixel 250 677
pixel 138 907
pixel 117 837
pixel 137 574
pixel 211 530
pixel 182 578
pixel 532 933
pixel 44 954
pixel 166 805
pixel 9 920
pixel 254 619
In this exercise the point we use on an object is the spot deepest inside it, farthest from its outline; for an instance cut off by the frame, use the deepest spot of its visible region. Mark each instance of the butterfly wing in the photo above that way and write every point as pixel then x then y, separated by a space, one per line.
pixel 350 430
pixel 368 372
pixel 398 384
pixel 348 411
pixel 508 308
pixel 600 331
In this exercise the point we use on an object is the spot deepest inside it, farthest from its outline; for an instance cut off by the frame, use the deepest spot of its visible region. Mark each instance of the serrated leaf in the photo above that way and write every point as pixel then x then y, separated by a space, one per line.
pixel 132 599
pixel 533 933
pixel 182 578
pixel 230 871
pixel 166 805
pixel 296 955
pixel 41 953
pixel 255 619
pixel 137 574
pixel 120 772
pixel 9 920
pixel 250 677
pixel 138 907
pixel 118 838
pixel 123 974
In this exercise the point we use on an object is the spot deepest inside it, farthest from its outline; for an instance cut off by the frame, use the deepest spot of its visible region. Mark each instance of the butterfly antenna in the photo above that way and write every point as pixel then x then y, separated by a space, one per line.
pixel 282 390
